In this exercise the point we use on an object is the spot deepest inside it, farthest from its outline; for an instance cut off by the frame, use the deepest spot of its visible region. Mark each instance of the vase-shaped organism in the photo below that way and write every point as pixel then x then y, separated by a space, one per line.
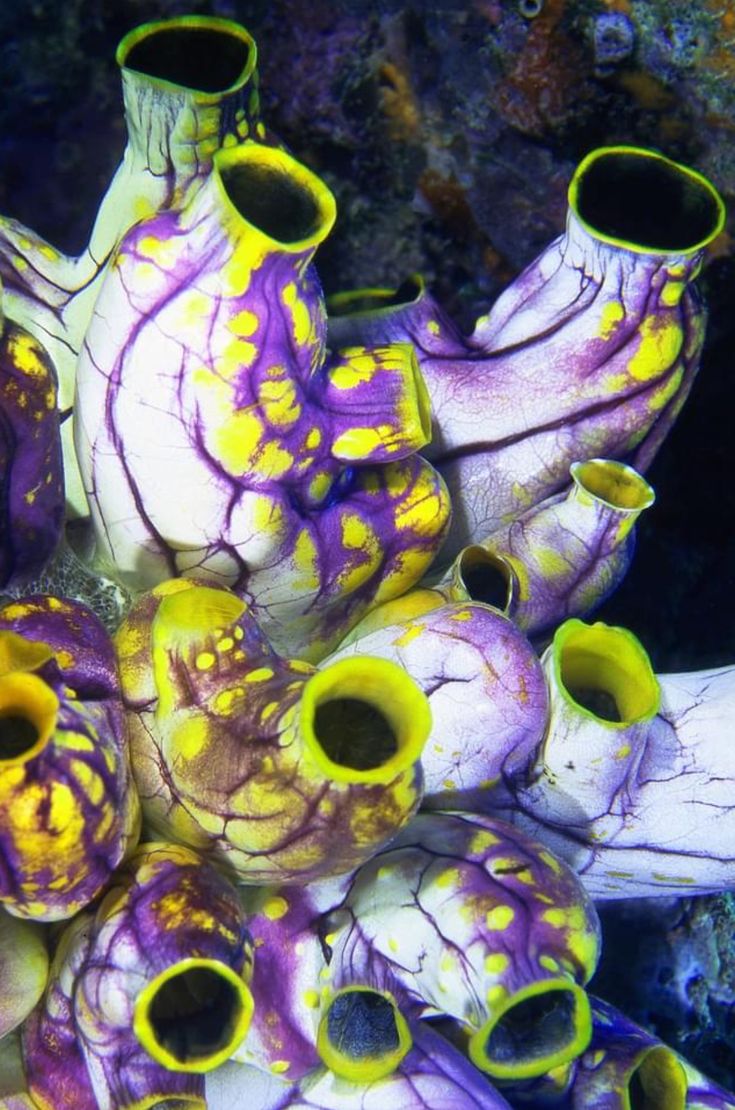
pixel 590 352
pixel 147 994
pixel 481 925
pixel 285 773
pixel 433 1075
pixel 564 556
pixel 485 687
pixel 302 489
pixel 69 809
pixel 31 470
pixel 632 783
pixel 189 87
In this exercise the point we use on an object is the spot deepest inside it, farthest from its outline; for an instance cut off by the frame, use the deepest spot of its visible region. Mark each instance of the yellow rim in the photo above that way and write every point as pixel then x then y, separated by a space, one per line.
pixel 372 1067
pixel 145 1032
pixel 382 685
pixel 641 152
pixel 27 697
pixel 620 486
pixel 609 659
pixel 582 1017
pixel 249 153
pixel 371 301
pixel 662 1078
pixel 197 22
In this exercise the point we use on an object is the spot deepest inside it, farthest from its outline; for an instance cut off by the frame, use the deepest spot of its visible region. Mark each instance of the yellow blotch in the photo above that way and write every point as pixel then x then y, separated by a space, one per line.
pixel 611 315
pixel 671 293
pixel 27 355
pixel 360 443
pixel 238 354
pixel 280 1066
pixel 496 962
pixel 663 396
pixel 432 326
pixel 305 560
pixel 481 841
pixel 311 999
pixel 548 963
pixel 164 252
pixel 499 917
pixel 320 485
pixel 238 439
pixel 190 737
pixel 89 780
pixel 225 644
pixel 275 908
pixel 462 615
pixel 393 944
pixel 555 916
pixel 622 752
pixel 660 343
pixel 243 323
pixel 260 674
pixel 411 633
pixel 302 324
pixel 496 994
pixel 354 371
pixel 278 401
pixel 551 861
pixel 205 660
pixel 273 461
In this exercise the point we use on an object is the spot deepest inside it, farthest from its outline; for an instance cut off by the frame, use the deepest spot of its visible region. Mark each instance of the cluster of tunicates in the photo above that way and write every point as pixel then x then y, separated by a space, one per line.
pixel 311 767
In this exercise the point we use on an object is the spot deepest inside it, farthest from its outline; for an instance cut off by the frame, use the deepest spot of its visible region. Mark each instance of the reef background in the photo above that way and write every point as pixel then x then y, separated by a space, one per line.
pixel 448 132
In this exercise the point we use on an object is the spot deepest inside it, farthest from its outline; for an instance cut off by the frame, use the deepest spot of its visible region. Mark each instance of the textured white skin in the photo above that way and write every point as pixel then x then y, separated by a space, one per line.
pixel 164 161
pixel 654 821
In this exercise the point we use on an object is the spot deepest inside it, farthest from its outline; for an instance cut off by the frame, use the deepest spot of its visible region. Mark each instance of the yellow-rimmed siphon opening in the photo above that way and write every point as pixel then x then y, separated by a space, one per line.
pixel 481 575
pixel 541 1027
pixel 642 201
pixel 615 483
pixel 364 720
pixel 28 714
pixel 363 1036
pixel 276 195
pixel 193 1015
pixel 376 301
pixel 658 1082
pixel 605 672
pixel 200 53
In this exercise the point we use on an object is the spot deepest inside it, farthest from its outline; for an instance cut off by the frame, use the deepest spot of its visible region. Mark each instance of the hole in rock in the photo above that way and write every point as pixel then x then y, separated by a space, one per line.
pixel 532 1029
pixel 362 1024
pixel 641 200
pixel 201 58
pixel 194 1013
pixel 17 735
pixel 353 733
